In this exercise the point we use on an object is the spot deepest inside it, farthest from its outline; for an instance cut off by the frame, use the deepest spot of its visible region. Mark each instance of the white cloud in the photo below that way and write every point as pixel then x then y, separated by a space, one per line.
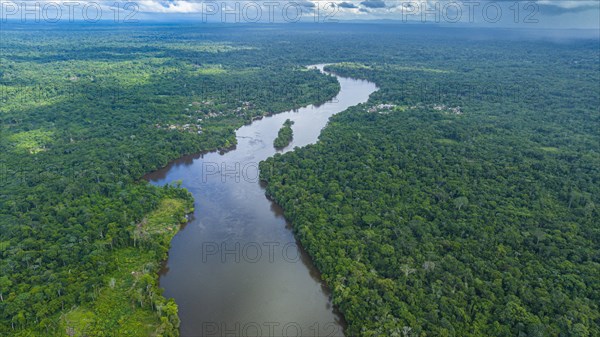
pixel 548 14
pixel 568 4
pixel 177 6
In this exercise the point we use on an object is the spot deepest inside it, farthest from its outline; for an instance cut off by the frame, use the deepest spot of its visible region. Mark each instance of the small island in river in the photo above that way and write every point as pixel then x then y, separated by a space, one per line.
pixel 285 135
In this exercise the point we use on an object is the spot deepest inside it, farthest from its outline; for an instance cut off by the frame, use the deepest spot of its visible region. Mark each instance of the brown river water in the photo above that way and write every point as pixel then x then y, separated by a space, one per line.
pixel 236 269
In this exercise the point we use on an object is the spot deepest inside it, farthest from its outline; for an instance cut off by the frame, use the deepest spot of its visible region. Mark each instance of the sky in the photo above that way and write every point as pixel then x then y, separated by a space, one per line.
pixel 568 14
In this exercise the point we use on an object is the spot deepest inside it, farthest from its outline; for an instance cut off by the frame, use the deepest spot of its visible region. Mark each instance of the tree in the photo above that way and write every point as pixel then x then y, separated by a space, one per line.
pixel 5 284
pixel 460 202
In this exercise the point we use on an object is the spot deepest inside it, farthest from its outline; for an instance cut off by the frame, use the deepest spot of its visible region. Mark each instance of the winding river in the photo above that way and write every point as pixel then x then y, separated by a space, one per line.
pixel 236 269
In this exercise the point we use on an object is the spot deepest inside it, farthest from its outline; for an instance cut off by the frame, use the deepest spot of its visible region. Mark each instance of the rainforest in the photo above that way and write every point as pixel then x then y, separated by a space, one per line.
pixel 460 197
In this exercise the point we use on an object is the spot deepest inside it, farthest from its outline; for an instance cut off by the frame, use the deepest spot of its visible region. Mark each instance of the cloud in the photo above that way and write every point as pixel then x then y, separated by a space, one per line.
pixel 373 3
pixel 173 6
pixel 198 6
pixel 547 13
pixel 553 7
pixel 569 4
pixel 347 5
pixel 306 3
pixel 545 7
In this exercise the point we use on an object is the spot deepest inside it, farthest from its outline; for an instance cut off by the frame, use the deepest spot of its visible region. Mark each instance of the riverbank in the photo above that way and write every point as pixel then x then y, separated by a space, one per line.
pixel 234 216
pixel 130 303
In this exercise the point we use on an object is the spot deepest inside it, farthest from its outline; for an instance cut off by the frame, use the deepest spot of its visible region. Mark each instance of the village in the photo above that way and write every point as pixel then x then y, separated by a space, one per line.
pixel 205 109
pixel 387 108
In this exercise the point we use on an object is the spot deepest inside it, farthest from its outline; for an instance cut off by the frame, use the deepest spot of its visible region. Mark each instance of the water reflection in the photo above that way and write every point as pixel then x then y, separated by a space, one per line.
pixel 214 271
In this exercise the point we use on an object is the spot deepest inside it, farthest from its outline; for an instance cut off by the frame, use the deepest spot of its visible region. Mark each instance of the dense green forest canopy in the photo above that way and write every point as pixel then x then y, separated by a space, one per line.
pixel 461 200
pixel 85 114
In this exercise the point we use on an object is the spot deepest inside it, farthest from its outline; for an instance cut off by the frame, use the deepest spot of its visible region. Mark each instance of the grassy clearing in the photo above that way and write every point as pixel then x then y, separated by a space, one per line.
pixel 130 302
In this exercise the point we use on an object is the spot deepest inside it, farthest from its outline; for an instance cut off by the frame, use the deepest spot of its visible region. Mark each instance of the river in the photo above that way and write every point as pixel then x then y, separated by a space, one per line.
pixel 236 269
